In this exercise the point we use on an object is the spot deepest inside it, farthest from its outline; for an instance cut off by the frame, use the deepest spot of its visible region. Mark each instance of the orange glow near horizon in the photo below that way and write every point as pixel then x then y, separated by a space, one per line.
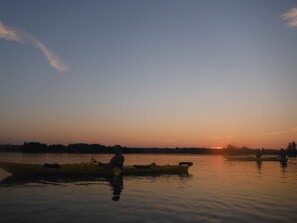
pixel 147 135
pixel 172 124
pixel 217 147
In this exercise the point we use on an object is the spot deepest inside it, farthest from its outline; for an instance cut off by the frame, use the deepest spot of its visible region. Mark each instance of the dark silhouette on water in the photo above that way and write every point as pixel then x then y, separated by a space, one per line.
pixel 117 185
pixel 291 149
pixel 283 164
pixel 282 154
pixel 115 182
pixel 118 159
pixel 259 165
pixel 258 153
pixel 116 163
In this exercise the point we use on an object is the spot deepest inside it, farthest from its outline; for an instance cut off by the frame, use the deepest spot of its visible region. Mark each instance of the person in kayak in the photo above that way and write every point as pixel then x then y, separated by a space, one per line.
pixel 118 159
pixel 282 154
pixel 258 153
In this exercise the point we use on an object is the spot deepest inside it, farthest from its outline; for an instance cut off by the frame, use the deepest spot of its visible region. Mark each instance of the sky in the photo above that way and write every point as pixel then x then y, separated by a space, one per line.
pixel 158 73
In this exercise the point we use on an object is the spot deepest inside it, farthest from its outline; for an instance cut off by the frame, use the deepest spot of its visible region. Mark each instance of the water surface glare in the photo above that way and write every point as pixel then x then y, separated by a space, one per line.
pixel 215 190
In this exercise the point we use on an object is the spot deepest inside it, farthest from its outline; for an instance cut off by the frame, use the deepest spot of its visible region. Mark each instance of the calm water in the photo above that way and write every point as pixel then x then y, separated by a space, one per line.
pixel 215 190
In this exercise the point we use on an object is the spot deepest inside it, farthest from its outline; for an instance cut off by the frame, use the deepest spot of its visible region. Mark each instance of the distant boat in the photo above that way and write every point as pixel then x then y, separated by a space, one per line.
pixel 251 158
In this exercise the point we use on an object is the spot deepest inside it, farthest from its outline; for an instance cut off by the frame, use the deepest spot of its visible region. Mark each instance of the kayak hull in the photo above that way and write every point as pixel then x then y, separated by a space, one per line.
pixel 87 169
pixel 275 159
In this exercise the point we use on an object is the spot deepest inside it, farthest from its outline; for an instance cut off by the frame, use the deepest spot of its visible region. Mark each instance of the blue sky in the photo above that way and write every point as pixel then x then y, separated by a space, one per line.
pixel 149 73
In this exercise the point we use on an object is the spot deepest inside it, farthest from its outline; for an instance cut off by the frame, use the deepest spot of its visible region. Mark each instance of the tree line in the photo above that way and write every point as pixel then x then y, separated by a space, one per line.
pixel 37 147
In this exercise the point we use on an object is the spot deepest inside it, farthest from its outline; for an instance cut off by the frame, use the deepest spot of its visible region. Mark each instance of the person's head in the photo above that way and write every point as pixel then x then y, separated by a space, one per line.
pixel 117 149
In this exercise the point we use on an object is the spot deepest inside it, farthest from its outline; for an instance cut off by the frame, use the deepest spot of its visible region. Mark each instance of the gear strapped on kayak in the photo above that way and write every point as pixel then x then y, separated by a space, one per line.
pixel 92 168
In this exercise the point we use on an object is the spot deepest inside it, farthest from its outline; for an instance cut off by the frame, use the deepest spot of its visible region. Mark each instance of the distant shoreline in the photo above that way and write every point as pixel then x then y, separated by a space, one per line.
pixel 36 147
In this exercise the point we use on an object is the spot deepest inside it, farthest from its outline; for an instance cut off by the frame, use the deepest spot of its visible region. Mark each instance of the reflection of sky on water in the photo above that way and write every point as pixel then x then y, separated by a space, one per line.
pixel 215 190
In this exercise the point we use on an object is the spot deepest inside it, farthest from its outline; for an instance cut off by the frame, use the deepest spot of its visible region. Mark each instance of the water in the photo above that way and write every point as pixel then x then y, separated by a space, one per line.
pixel 215 190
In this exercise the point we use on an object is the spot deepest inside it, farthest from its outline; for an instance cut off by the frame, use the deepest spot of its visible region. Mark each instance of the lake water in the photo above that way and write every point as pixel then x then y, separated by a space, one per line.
pixel 215 190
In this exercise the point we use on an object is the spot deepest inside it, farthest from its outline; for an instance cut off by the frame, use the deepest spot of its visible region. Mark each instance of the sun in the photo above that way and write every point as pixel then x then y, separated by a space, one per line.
pixel 217 147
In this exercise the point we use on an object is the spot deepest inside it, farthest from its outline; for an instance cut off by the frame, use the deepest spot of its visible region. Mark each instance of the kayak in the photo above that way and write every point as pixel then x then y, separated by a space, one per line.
pixel 91 168
pixel 250 158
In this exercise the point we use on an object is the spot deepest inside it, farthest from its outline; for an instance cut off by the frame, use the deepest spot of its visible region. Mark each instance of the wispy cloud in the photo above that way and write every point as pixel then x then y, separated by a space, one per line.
pixel 291 17
pixel 8 34
pixel 53 59
pixel 17 36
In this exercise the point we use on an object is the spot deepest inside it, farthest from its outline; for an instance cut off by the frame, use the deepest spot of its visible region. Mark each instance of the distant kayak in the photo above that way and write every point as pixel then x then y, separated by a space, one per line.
pixel 250 158
pixel 90 168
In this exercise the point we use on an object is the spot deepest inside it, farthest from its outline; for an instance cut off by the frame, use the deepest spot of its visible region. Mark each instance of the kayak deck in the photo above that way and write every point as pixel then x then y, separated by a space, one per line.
pixel 237 158
pixel 88 169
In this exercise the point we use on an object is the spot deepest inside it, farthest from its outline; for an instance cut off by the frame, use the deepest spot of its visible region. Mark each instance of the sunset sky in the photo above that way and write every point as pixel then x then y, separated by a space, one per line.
pixel 149 73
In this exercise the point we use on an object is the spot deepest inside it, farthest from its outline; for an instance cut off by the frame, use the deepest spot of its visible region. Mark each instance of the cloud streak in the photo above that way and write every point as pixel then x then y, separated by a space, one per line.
pixel 8 34
pixel 291 17
pixel 16 36
pixel 53 59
